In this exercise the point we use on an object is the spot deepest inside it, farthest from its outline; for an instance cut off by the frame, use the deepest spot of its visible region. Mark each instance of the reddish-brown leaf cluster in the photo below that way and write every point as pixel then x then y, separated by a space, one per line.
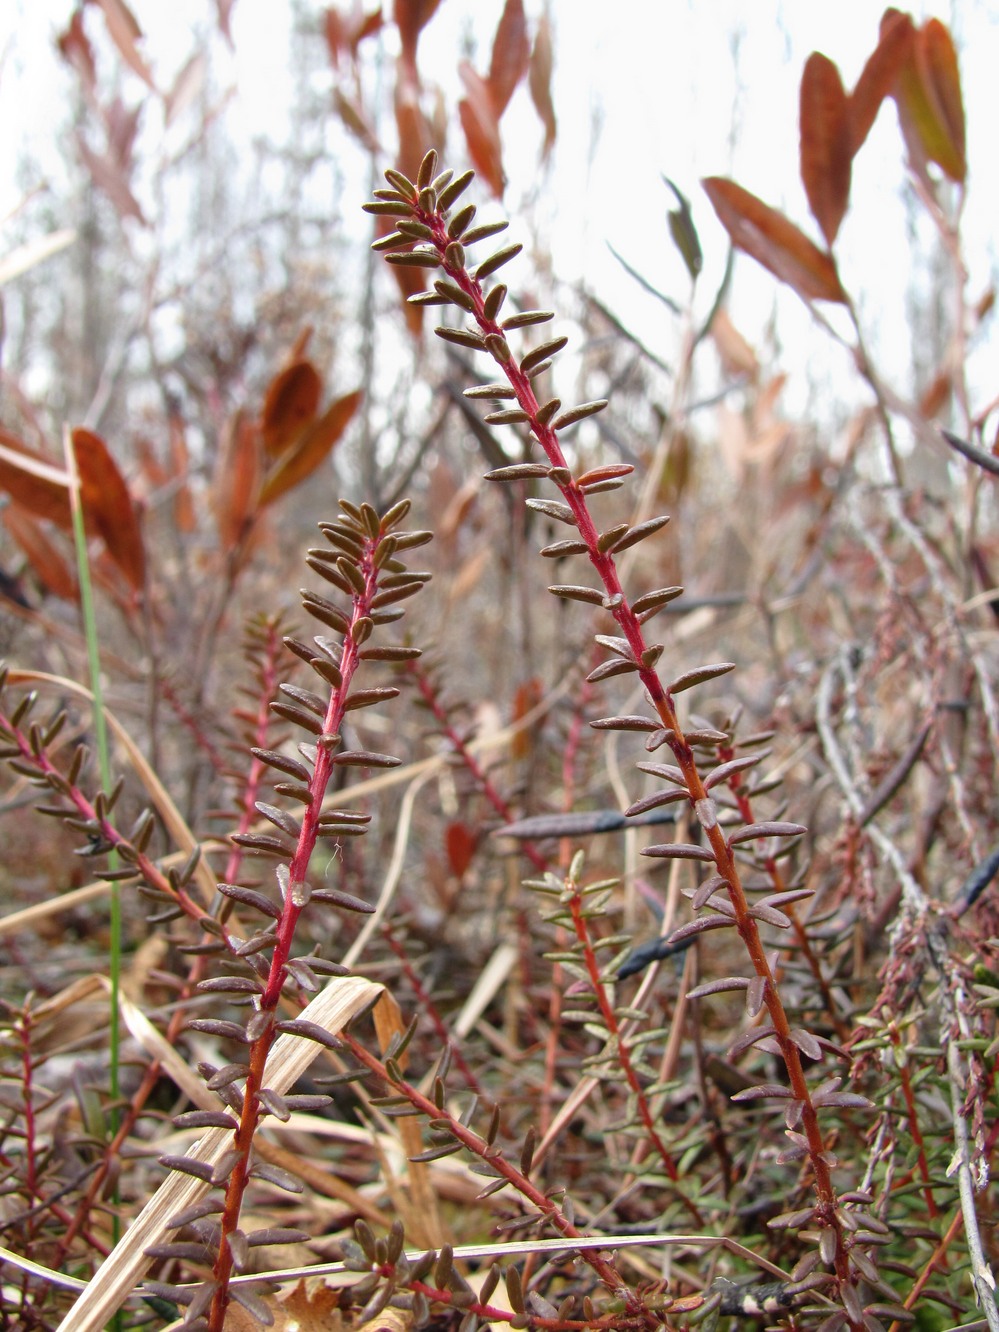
pixel 917 68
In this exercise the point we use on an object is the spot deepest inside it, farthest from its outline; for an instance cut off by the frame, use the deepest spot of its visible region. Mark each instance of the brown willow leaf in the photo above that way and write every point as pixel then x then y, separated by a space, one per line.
pixel 109 176
pixel 186 87
pixel 539 80
pixel 928 99
pixel 877 78
pixel 511 52
pixel 237 480
pixel 42 496
pixel 291 402
pixel 460 842
pixel 52 570
pixel 411 17
pixel 76 50
pixel 481 126
pixel 107 500
pixel 312 448
pixel 125 33
pixel 826 143
pixel 773 241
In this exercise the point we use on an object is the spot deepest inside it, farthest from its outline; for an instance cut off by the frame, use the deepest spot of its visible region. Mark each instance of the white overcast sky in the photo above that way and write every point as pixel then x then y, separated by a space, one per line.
pixel 642 87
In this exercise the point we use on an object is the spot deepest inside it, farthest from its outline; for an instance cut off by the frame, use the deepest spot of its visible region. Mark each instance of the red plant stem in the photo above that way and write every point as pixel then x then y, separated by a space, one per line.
pixel 772 868
pixel 479 775
pixel 661 700
pixel 199 964
pixel 617 1038
pixel 613 1322
pixel 478 1146
pixel 294 904
pixel 430 1008
pixel 895 1036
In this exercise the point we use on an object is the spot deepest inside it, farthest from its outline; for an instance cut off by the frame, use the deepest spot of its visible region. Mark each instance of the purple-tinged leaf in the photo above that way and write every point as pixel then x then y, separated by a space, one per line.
pixel 629 723
pixel 198 1119
pixel 748 1038
pixel 699 676
pixel 187 1165
pixel 764 1091
pixel 678 851
pixel 707 890
pixel 720 986
pixel 311 1031
pixel 775 829
pixel 695 927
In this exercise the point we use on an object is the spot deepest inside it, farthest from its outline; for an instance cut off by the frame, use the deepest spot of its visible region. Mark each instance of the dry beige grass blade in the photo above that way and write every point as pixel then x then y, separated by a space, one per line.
pixel 340 1001
pixel 158 794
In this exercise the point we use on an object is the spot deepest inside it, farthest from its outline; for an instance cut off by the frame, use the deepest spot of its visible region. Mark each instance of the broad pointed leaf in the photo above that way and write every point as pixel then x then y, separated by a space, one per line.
pixel 930 108
pixel 511 52
pixel 107 499
pixel 52 570
pixel 826 143
pixel 125 33
pixel 41 495
pixel 879 75
pixel 291 403
pixel 776 243
pixel 237 481
pixel 313 447
pixel 539 80
pixel 481 126
pixel 411 17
